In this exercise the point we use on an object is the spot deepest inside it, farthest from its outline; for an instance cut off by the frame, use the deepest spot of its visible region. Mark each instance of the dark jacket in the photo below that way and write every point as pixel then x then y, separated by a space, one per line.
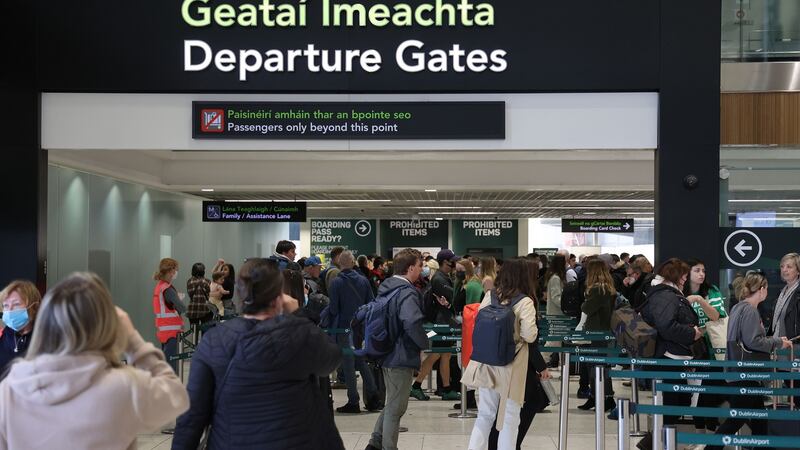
pixel 598 307
pixel 442 285
pixel 12 345
pixel 404 320
pixel 618 275
pixel 747 338
pixel 792 319
pixel 668 311
pixel 348 292
pixel 271 395
pixel 640 289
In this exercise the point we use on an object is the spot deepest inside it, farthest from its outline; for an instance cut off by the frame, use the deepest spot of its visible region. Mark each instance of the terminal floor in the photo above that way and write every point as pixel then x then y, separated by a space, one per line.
pixel 429 428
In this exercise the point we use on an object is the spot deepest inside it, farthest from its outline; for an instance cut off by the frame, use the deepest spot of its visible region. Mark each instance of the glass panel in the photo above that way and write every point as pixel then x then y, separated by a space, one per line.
pixel 760 30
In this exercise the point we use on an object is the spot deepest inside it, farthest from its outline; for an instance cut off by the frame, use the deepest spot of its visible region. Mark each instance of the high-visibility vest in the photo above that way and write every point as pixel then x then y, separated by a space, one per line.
pixel 168 321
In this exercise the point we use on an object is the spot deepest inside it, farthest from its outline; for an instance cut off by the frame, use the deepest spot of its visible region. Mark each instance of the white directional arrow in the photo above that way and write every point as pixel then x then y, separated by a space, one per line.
pixel 362 228
pixel 627 225
pixel 740 247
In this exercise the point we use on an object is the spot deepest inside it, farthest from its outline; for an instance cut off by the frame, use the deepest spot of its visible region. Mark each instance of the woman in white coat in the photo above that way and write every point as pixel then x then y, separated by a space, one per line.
pixel 501 389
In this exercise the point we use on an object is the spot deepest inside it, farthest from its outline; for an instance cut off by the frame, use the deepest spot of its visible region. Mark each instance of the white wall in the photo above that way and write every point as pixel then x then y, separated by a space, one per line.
pixel 132 227
pixel 533 121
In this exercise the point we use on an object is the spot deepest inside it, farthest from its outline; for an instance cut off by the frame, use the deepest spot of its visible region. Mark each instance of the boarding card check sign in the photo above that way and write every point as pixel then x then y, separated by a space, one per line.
pixel 348 120
pixel 254 211
pixel 597 226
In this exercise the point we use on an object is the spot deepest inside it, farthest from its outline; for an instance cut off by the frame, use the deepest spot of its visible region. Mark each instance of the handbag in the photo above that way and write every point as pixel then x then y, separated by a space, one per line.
pixel 717 334
pixel 204 438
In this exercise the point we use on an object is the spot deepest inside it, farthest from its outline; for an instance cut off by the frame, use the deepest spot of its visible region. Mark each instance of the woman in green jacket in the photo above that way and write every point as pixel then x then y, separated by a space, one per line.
pixel 469 282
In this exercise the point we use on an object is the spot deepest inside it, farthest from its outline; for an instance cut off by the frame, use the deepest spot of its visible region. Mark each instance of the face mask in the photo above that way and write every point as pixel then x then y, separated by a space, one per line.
pixel 16 319
pixel 426 271
pixel 305 303
pixel 461 275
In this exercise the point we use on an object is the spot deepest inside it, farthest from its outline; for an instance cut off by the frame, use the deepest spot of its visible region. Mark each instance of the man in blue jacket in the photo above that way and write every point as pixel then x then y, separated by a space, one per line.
pixel 404 323
pixel 349 291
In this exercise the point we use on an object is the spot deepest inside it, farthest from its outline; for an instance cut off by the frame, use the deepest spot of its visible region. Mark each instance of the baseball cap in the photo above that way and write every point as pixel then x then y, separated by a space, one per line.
pixel 446 255
pixel 313 261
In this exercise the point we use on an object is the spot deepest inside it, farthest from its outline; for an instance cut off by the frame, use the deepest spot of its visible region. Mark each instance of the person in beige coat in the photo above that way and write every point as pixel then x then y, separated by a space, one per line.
pixel 501 390
pixel 72 390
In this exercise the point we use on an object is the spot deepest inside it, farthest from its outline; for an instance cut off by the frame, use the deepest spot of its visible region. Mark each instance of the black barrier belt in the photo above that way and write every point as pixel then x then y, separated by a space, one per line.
pixel 692 363
pixel 728 376
pixel 690 389
pixel 584 350
pixel 739 441
pixel 758 414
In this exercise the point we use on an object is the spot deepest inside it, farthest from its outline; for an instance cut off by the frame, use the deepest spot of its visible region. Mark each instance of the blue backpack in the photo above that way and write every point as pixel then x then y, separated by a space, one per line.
pixel 493 335
pixel 369 335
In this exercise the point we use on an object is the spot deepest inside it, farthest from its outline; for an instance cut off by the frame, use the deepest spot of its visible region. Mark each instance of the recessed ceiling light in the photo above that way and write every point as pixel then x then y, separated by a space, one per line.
pixel 439 218
pixel 764 200
pixel 430 190
pixel 589 213
pixel 582 200
pixel 207 190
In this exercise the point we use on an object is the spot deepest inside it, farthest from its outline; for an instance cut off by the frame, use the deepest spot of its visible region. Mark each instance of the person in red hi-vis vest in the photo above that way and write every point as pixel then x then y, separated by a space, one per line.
pixel 168 307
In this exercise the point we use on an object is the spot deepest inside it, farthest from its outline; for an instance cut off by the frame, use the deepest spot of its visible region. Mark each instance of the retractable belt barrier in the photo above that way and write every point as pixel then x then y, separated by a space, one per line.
pixel 691 389
pixel 732 439
pixel 180 356
pixel 758 414
pixel 690 363
pixel 725 376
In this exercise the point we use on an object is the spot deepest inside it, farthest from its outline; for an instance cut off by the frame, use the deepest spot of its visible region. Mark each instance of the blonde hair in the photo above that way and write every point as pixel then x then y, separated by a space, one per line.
pixel 793 257
pixel 750 284
pixel 165 266
pixel 77 316
pixel 598 276
pixel 28 292
pixel 489 268
pixel 469 270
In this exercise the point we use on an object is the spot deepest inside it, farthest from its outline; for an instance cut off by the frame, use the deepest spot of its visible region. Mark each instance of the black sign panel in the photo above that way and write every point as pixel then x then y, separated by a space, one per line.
pixel 254 211
pixel 757 248
pixel 347 46
pixel 597 225
pixel 386 120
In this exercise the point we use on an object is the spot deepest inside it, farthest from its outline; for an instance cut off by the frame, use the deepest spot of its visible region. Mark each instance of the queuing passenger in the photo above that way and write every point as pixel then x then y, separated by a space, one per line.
pixel 434 267
pixel 404 320
pixel 364 266
pixel 501 390
pixel 556 279
pixel 348 292
pixel 709 306
pixel 619 271
pixel 639 281
pixel 748 341
pixel 470 283
pixel 311 273
pixel 255 378
pixel 168 306
pixel 332 271
pixel 442 289
pixel 600 297
pixel 424 278
pixel 217 292
pixel 787 308
pixel 673 317
pixel 488 273
pixel 21 301
pixel 228 284
pixel 570 273
pixel 535 398
pixel 198 288
pixel 315 301
pixel 285 253
pixel 71 389
pixel 378 272
pixel 625 257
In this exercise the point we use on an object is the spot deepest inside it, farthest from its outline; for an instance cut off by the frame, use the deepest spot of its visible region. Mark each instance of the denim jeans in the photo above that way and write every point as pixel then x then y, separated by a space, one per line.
pixel 170 348
pixel 350 363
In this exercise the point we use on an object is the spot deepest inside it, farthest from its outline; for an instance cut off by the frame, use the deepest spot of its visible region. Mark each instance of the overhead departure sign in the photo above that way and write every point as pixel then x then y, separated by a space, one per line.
pixel 386 120
pixel 254 211
pixel 493 237
pixel 597 226
pixel 757 248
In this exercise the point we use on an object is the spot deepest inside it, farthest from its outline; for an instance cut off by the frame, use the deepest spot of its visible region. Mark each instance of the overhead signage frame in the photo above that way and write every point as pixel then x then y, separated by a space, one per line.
pixel 597 225
pixel 216 211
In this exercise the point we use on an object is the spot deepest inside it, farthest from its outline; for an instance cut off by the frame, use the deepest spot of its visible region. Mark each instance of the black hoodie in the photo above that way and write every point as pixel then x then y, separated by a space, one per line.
pixel 668 311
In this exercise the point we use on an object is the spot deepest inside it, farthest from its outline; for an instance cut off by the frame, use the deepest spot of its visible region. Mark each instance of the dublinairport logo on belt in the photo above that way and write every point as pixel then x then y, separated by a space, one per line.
pixel 726 440
pixel 734 413
pixel 743 391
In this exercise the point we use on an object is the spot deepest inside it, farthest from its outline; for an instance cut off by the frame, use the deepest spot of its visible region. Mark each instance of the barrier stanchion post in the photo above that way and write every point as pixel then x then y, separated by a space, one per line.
pixel 463 414
pixel 180 361
pixel 658 419
pixel 671 438
pixel 563 421
pixel 637 425
pixel 623 428
pixel 599 410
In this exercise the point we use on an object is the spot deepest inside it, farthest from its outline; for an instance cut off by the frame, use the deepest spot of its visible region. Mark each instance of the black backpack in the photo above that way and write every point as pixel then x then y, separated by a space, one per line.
pixel 572 299
pixel 429 304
